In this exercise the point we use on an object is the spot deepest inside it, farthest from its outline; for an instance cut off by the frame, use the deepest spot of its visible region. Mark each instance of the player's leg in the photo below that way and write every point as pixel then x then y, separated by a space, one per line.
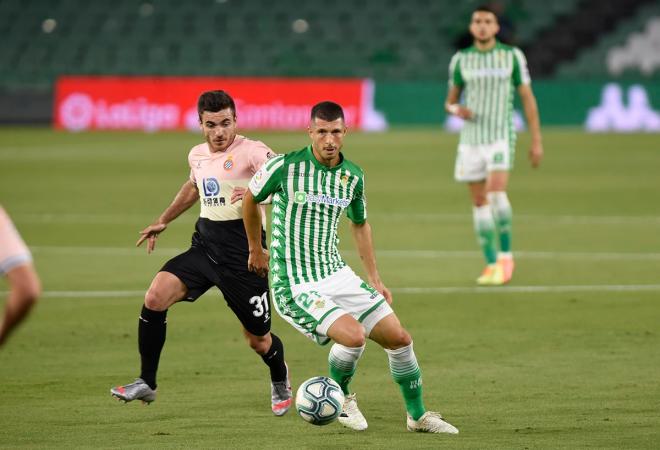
pixel 24 290
pixel 484 227
pixel 182 277
pixel 247 296
pixel 405 371
pixel 350 340
pixel 365 307
pixel 398 344
pixel 496 187
pixel 271 350
pixel 349 337
pixel 165 290
pixel 310 308
pixel 472 168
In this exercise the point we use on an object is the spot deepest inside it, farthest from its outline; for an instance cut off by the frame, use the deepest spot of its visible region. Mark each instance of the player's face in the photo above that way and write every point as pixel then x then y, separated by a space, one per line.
pixel 327 140
pixel 219 129
pixel 484 26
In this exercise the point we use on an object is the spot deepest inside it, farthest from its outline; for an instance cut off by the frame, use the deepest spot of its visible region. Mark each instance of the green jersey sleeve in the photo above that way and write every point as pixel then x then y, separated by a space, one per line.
pixel 455 76
pixel 520 73
pixel 268 179
pixel 357 209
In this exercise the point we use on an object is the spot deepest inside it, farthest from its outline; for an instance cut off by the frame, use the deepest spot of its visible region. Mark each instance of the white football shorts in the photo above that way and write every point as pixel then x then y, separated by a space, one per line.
pixel 474 162
pixel 312 308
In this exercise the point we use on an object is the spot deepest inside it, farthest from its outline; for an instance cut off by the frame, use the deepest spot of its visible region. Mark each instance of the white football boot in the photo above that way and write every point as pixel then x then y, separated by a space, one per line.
pixel 431 422
pixel 350 416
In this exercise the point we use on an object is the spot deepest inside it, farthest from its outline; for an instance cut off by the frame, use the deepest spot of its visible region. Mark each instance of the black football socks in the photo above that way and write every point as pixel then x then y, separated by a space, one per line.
pixel 152 328
pixel 274 359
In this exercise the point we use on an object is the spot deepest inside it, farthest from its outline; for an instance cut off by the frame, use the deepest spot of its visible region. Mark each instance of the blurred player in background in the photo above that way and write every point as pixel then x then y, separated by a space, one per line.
pixel 16 265
pixel 487 73
pixel 220 169
pixel 313 288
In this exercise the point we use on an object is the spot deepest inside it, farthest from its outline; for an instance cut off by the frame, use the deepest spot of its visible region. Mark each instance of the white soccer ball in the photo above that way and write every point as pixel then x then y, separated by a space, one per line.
pixel 319 400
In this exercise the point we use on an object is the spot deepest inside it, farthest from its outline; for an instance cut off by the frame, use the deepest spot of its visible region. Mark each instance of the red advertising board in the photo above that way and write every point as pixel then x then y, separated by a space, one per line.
pixel 169 103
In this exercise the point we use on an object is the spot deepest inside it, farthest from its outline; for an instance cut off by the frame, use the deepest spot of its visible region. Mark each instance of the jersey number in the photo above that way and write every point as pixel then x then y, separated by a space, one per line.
pixel 260 304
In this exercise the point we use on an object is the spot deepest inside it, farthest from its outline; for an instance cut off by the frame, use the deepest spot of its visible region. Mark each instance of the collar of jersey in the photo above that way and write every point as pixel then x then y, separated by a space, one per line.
pixel 227 151
pixel 321 166
pixel 497 45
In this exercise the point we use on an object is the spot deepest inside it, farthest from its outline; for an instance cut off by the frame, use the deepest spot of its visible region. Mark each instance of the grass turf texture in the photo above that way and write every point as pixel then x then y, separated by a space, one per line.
pixel 567 369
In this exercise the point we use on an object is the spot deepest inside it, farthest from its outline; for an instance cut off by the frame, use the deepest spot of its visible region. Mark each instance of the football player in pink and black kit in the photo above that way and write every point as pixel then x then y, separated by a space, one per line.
pixel 220 170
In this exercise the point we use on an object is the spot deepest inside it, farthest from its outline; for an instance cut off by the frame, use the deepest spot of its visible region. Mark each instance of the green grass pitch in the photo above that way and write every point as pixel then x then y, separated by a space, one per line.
pixel 567 356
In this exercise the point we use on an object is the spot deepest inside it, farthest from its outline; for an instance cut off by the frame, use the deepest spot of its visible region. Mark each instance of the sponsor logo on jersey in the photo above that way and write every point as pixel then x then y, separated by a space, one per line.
pixel 214 201
pixel 484 73
pixel 211 187
pixel 211 192
pixel 302 197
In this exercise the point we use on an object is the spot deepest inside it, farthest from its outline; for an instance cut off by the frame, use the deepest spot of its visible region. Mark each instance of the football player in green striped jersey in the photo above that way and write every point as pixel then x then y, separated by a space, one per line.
pixel 487 74
pixel 313 289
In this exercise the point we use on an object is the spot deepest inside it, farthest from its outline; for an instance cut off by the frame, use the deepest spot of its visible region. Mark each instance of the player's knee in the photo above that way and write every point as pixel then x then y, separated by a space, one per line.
pixel 398 339
pixel 28 291
pixel 155 300
pixel 355 337
pixel 260 344
pixel 479 200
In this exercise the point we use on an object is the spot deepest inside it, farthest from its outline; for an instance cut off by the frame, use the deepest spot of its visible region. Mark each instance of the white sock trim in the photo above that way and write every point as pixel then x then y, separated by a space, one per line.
pixel 483 217
pixel 499 201
pixel 346 354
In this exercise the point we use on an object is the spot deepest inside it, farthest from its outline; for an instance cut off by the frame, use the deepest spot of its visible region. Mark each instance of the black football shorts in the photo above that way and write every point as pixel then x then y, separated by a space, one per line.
pixel 245 292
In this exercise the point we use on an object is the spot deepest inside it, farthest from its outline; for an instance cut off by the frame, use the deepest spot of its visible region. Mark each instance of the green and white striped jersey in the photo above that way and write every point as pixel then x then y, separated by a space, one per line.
pixel 308 199
pixel 488 79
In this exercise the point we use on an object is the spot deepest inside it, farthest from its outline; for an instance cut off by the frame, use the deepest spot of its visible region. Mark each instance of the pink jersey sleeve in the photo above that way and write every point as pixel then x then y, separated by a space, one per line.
pixel 259 154
pixel 193 155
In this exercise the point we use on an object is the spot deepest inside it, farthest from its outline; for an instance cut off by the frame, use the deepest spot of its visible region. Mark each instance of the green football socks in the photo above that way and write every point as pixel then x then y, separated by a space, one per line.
pixel 406 373
pixel 502 213
pixel 484 226
pixel 342 361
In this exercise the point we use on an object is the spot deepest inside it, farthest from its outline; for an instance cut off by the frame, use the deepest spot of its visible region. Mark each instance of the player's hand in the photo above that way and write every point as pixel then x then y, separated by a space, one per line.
pixel 258 262
pixel 464 113
pixel 536 154
pixel 380 287
pixel 237 194
pixel 150 234
pixel 460 111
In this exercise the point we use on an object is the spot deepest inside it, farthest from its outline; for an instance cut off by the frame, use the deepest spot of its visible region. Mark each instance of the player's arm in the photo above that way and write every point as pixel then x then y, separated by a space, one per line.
pixel 258 257
pixel 453 107
pixel 184 199
pixel 533 123
pixel 365 247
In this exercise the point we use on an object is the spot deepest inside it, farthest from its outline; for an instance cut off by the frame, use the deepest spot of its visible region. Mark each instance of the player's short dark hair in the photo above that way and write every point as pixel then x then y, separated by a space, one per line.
pixel 327 111
pixel 485 8
pixel 214 101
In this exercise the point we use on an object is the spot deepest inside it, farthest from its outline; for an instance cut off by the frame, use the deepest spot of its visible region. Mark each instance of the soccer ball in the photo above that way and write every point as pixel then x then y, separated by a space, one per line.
pixel 319 400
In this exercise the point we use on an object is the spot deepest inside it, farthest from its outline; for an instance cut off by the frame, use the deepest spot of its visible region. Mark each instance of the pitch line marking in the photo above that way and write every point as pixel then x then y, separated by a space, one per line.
pixel 137 218
pixel 424 254
pixel 443 290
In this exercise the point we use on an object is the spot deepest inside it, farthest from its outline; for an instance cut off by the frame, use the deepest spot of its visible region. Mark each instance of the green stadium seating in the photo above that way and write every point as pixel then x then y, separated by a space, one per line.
pixel 385 39
pixel 591 63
